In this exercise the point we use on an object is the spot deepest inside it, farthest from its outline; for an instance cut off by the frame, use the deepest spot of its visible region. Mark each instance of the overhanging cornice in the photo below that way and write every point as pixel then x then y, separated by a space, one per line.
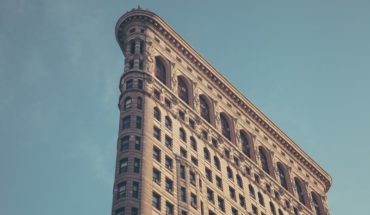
pixel 216 77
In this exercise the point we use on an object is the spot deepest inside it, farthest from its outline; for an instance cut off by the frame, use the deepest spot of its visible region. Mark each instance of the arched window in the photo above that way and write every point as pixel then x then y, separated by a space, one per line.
pixel 193 143
pixel 264 161
pixel 182 134
pixel 207 156
pixel 239 181
pixel 282 175
pixel 139 103
pixel 183 90
pixel 217 162
pixel 300 191
pixel 317 205
pixel 260 199
pixel 168 122
pixel 246 146
pixel 251 191
pixel 230 173
pixel 225 127
pixel 160 71
pixel 128 103
pixel 272 208
pixel 204 108
pixel 157 114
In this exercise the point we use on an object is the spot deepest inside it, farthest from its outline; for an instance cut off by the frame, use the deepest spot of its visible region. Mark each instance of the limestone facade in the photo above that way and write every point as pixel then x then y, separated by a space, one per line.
pixel 190 143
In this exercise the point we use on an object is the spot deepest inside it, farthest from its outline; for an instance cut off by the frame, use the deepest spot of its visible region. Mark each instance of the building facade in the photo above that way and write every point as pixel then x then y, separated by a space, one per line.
pixel 190 143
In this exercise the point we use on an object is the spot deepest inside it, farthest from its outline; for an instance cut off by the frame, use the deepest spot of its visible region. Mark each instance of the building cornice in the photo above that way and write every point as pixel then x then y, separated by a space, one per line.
pixel 217 78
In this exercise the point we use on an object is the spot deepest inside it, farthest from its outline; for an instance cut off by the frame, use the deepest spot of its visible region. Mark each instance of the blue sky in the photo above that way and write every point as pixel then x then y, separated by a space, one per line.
pixel 305 64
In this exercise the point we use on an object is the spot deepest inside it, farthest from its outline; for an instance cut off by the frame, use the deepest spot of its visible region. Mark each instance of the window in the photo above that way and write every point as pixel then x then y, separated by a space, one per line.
pixel 125 141
pixel 129 84
pixel 300 191
pixel 260 199
pixel 182 172
pixel 123 165
pixel 182 115
pixel 184 213
pixel 131 65
pixel 193 200
pixel 254 210
pixel 182 134
pixel 214 142
pixel 121 190
pixel 169 209
pixel 134 211
pixel 251 191
pixel 168 142
pixel 281 212
pixel 225 127
pixel 217 162
pixel 141 47
pixel 160 71
pixel 236 161
pixel 221 204
pixel 257 178
pixel 157 154
pixel 135 189
pixel 209 174
pixel 167 103
pixel 194 160
pixel 191 123
pixel 192 178
pixel 132 47
pixel 126 122
pixel 316 203
pixel 232 193
pixel 140 84
pixel 193 143
pixel 168 122
pixel 157 114
pixel 139 103
pixel 169 185
pixel 242 200
pixel 211 212
pixel 204 108
pixel 227 153
pixel 210 195
pixel 239 181
pixel 183 90
pixel 137 143
pixel 246 147
pixel 296 212
pixel 136 165
pixel 168 163
pixel 277 195
pixel 183 153
pixel 128 103
pixel 157 94
pixel 230 174
pixel 282 176
pixel 234 211
pixel 120 211
pixel 156 176
pixel 183 194
pixel 272 208
pixel 206 155
pixel 204 135
pixel 138 122
pixel 264 161
pixel 219 183
pixel 157 133
pixel 156 201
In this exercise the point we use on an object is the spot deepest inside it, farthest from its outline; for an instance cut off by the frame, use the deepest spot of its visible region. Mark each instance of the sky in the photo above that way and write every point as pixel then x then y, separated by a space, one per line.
pixel 305 64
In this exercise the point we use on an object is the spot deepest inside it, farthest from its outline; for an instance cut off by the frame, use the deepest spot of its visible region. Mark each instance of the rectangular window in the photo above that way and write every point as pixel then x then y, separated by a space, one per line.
pixel 157 95
pixel 156 176
pixel 254 210
pixel 192 178
pixel 121 193
pixel 219 183
pixel 210 195
pixel 183 194
pixel 138 122
pixel 242 201
pixel 136 165
pixel 193 200
pixel 221 204
pixel 156 201
pixel 169 209
pixel 156 154
pixel 157 133
pixel 169 185
pixel 135 189
pixel 191 123
pixel 120 211
pixel 126 122
pixel 125 143
pixel 232 193
pixel 134 211
pixel 183 152
pixel 234 211
pixel 167 103
pixel 140 84
pixel 129 84
pixel 209 174
pixel 168 142
pixel 169 163
pixel 182 172
pixel 182 115
pixel 137 143
pixel 123 165
pixel 194 161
